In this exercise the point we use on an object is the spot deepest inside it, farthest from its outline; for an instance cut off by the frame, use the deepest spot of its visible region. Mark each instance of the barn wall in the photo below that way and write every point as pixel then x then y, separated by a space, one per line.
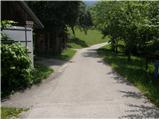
pixel 49 43
pixel 22 35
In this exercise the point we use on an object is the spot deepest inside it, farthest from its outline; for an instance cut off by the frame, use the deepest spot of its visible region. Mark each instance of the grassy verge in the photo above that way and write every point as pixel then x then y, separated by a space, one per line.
pixel 134 71
pixel 40 72
pixel 67 54
pixel 10 112
pixel 81 40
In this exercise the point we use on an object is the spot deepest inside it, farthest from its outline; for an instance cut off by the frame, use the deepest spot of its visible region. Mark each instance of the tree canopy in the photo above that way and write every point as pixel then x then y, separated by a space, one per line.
pixel 56 15
pixel 134 22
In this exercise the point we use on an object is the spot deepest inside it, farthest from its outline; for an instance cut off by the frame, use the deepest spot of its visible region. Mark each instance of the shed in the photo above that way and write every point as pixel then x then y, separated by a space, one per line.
pixel 20 12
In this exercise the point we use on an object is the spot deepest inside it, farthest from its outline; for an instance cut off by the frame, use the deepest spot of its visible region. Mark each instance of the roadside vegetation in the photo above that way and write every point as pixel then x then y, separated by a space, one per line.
pixel 133 71
pixel 130 27
pixel 82 39
pixel 79 40
pixel 11 112
pixel 40 72
pixel 17 72
pixel 133 49
pixel 66 54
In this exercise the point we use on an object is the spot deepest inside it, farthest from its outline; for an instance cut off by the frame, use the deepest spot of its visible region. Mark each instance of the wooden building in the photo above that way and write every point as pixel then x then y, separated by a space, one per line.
pixel 19 12
pixel 22 32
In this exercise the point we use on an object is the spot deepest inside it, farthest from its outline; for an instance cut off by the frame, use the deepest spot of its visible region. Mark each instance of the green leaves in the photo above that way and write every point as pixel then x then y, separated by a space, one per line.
pixel 7 23
pixel 16 67
pixel 57 15
pixel 135 22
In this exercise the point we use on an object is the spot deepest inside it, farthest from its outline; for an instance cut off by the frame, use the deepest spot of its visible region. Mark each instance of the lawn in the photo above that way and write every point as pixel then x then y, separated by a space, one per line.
pixel 10 112
pixel 81 40
pixel 134 71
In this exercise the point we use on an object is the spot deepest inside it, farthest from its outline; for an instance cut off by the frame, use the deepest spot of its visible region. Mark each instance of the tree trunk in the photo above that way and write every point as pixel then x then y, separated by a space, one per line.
pixel 116 49
pixel 129 57
pixel 72 28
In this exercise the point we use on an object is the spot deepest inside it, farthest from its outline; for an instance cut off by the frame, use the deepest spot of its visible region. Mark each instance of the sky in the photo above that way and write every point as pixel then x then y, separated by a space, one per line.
pixel 89 2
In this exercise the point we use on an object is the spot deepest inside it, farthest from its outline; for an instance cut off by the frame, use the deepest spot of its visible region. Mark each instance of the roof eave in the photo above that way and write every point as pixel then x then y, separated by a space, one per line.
pixel 32 15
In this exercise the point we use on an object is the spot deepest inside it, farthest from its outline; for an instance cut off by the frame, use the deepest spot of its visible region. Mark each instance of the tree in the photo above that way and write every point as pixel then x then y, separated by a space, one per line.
pixel 56 17
pixel 136 23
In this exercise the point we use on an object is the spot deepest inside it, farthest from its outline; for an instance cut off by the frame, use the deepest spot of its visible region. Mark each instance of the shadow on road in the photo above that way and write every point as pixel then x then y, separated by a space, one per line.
pixel 50 62
pixel 77 41
pixel 131 94
pixel 90 53
pixel 118 78
pixel 141 111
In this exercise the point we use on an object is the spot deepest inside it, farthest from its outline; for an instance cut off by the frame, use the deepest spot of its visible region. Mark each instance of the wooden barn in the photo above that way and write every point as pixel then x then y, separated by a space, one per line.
pixel 45 43
pixel 27 21
pixel 19 12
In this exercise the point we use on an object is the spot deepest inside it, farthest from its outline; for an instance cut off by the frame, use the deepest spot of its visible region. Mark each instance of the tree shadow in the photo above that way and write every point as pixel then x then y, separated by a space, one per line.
pixel 119 79
pixel 51 62
pixel 90 53
pixel 141 111
pixel 133 71
pixel 77 41
pixel 131 94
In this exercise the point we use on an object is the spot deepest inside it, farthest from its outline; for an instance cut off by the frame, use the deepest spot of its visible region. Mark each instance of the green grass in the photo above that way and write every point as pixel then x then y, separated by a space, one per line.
pixel 82 40
pixel 10 112
pixel 134 71
pixel 40 72
pixel 66 54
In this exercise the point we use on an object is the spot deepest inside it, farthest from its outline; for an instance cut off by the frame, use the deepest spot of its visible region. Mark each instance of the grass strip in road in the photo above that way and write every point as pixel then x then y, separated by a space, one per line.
pixel 11 112
pixel 134 71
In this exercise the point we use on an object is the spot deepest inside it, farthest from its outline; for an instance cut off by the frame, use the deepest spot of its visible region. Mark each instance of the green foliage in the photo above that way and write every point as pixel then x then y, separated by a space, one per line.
pixel 56 15
pixel 66 54
pixel 84 20
pixel 7 23
pixel 16 67
pixel 134 22
pixel 8 112
pixel 81 40
pixel 134 71
pixel 17 72
pixel 40 72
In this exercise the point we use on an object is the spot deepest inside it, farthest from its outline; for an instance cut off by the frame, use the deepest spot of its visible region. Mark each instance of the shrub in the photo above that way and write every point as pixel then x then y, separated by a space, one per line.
pixel 16 67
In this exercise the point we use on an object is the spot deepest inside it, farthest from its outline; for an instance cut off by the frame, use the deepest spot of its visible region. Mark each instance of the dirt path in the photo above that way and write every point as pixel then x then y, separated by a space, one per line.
pixel 84 88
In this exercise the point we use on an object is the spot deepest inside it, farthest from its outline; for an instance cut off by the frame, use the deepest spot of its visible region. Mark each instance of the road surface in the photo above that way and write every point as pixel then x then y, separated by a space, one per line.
pixel 85 87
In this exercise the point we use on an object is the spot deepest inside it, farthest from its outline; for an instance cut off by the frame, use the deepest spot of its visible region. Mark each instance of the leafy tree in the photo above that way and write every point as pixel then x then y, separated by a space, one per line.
pixel 57 16
pixel 134 22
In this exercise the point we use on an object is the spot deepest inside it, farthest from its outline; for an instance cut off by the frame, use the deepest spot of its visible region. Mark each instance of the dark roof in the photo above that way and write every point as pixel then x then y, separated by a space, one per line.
pixel 31 14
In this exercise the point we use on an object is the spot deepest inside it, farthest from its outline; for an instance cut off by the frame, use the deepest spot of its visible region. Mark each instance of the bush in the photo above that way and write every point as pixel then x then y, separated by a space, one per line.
pixel 16 67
